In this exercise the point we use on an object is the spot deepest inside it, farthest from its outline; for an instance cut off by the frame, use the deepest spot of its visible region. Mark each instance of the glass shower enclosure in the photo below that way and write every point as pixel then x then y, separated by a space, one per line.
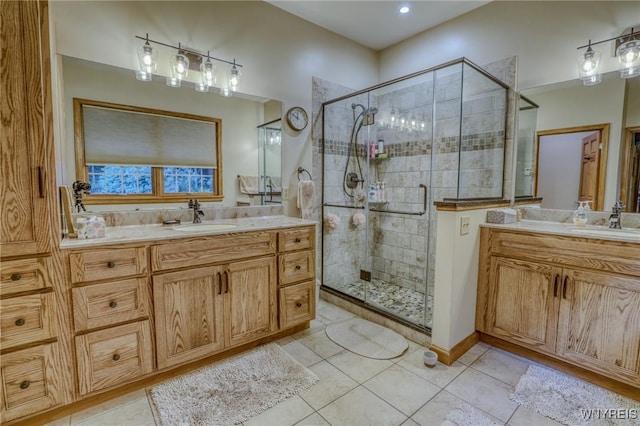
pixel 389 153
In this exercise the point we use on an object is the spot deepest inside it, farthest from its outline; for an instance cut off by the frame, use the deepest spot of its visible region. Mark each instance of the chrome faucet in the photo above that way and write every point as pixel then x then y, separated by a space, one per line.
pixel 614 219
pixel 195 205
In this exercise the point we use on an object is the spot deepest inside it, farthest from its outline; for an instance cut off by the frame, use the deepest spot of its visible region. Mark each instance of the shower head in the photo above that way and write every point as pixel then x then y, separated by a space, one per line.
pixel 371 110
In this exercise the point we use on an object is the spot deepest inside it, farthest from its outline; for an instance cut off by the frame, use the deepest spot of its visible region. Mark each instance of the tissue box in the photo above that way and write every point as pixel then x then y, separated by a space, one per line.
pixel 90 227
pixel 501 216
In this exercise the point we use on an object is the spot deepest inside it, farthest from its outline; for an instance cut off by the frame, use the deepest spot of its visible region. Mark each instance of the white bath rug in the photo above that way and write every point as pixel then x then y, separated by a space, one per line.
pixel 367 339
pixel 572 401
pixel 232 390
pixel 468 415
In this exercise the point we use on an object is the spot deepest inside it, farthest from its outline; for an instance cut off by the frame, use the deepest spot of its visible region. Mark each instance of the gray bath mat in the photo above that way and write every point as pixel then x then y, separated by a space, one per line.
pixel 572 401
pixel 232 390
pixel 367 339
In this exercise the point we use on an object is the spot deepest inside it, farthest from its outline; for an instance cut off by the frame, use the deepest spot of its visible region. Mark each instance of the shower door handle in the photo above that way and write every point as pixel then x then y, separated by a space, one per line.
pixel 424 205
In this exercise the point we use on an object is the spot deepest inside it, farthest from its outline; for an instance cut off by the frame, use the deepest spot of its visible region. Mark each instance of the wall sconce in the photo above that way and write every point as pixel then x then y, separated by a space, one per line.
pixel 628 53
pixel 181 62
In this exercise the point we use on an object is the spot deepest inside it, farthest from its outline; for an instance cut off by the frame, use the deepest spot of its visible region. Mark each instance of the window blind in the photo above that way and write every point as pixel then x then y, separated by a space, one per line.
pixel 132 138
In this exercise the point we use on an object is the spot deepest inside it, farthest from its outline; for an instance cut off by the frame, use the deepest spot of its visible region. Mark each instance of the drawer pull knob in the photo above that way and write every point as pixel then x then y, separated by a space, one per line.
pixel 25 384
pixel 113 304
pixel 297 267
pixel 297 240
pixel 15 277
pixel 111 264
pixel 20 322
pixel 115 357
pixel 298 305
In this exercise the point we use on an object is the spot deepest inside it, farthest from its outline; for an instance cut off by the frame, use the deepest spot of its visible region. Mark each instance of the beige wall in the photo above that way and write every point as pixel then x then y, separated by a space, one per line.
pixel 633 103
pixel 543 34
pixel 280 52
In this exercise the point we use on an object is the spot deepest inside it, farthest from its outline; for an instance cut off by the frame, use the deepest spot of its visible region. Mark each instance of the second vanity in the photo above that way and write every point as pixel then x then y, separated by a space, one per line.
pixel 147 299
pixel 569 293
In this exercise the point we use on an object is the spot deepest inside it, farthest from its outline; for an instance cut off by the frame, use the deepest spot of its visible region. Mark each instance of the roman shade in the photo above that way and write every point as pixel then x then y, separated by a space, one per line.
pixel 113 136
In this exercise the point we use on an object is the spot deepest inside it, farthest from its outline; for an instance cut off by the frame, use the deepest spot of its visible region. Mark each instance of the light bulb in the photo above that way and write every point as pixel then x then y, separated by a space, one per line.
pixel 233 78
pixel 629 59
pixel 147 58
pixel 179 66
pixel 588 67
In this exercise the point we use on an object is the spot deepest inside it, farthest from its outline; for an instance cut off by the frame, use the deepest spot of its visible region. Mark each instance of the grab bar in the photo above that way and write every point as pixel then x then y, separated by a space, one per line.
pixel 343 206
pixel 424 206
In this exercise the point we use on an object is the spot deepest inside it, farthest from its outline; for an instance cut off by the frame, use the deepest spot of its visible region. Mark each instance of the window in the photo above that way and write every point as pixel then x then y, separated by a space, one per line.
pixel 135 155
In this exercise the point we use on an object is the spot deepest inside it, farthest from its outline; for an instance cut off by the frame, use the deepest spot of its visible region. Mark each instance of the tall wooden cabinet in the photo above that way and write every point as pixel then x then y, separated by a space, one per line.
pixel 26 172
pixel 575 299
pixel 33 361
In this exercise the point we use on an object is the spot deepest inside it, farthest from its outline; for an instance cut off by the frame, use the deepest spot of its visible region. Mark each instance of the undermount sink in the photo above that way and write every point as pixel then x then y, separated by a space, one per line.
pixel 203 227
pixel 627 233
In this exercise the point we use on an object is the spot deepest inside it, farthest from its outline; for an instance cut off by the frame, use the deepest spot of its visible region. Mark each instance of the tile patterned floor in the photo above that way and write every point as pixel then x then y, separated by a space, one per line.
pixel 359 391
pixel 401 301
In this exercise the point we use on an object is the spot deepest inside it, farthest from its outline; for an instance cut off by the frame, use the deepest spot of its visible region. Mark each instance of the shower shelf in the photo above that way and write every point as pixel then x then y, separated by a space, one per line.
pixel 343 206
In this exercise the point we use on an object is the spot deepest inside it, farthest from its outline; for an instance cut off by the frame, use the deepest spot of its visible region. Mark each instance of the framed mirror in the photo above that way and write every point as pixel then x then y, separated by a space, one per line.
pixel 236 118
pixel 611 108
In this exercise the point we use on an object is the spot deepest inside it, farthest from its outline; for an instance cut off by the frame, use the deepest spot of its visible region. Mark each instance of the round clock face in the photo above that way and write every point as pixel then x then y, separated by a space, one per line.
pixel 297 118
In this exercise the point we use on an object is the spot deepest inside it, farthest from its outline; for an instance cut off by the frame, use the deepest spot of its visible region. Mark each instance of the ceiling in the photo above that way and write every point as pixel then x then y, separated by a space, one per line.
pixel 377 24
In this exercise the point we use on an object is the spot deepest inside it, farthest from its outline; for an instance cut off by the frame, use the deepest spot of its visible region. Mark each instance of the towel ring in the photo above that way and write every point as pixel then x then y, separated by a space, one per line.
pixel 303 170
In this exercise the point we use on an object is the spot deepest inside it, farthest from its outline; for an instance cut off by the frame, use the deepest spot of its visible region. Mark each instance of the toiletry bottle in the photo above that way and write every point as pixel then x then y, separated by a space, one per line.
pixel 380 149
pixel 580 216
pixel 372 150
pixel 372 194
pixel 383 192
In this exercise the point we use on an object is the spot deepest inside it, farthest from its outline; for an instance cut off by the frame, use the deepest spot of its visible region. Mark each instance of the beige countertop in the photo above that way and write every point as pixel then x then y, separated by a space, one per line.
pixel 147 233
pixel 557 228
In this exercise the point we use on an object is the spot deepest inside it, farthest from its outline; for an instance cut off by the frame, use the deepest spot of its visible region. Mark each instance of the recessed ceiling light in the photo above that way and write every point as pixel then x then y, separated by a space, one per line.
pixel 404 9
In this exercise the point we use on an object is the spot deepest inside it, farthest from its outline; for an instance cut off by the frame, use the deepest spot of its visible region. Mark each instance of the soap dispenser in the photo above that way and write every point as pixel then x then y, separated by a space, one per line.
pixel 580 215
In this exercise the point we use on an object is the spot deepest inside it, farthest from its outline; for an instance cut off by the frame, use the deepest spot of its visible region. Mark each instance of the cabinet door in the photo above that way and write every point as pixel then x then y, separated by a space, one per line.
pixel 600 323
pixel 523 301
pixel 26 178
pixel 250 305
pixel 189 320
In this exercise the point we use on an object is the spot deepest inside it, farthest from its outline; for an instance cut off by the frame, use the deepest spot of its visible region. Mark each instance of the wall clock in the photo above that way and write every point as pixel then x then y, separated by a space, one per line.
pixel 297 118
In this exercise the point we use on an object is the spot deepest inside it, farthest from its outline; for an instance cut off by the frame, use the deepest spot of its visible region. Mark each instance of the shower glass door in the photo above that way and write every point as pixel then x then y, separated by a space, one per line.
pixel 376 198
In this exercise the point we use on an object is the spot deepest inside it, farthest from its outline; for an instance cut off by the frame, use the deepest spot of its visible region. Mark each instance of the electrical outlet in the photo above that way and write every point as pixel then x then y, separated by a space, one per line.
pixel 464 225
pixel 285 194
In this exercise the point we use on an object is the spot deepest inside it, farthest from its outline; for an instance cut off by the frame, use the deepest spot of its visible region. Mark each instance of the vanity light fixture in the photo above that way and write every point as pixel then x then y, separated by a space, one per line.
pixel 181 62
pixel 234 77
pixel 589 67
pixel 629 57
pixel 627 51
pixel 147 58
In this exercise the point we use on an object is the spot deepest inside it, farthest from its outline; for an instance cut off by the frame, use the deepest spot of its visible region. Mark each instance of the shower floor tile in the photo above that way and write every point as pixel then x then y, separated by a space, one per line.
pixel 401 301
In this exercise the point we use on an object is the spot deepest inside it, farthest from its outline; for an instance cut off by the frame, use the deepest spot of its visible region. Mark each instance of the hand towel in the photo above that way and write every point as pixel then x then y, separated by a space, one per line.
pixel 248 184
pixel 306 189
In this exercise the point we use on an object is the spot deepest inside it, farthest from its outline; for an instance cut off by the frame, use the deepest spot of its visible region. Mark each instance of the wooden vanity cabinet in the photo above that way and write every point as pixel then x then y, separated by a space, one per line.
pixel 574 299
pixel 296 290
pixel 111 312
pixel 201 311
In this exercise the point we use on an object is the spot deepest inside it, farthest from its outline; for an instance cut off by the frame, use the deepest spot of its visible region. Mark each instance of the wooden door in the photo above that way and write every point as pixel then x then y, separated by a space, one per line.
pixel 589 169
pixel 523 302
pixel 250 302
pixel 26 175
pixel 599 325
pixel 189 315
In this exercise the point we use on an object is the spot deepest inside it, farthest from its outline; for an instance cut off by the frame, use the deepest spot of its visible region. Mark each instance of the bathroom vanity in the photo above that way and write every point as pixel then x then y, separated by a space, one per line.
pixel 572 294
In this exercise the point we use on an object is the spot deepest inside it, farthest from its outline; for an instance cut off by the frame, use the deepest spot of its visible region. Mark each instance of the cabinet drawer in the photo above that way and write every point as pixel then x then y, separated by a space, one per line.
pixel 215 249
pixel 92 265
pixel 113 356
pixel 29 381
pixel 110 303
pixel 297 304
pixel 26 319
pixel 296 239
pixel 25 275
pixel 297 266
